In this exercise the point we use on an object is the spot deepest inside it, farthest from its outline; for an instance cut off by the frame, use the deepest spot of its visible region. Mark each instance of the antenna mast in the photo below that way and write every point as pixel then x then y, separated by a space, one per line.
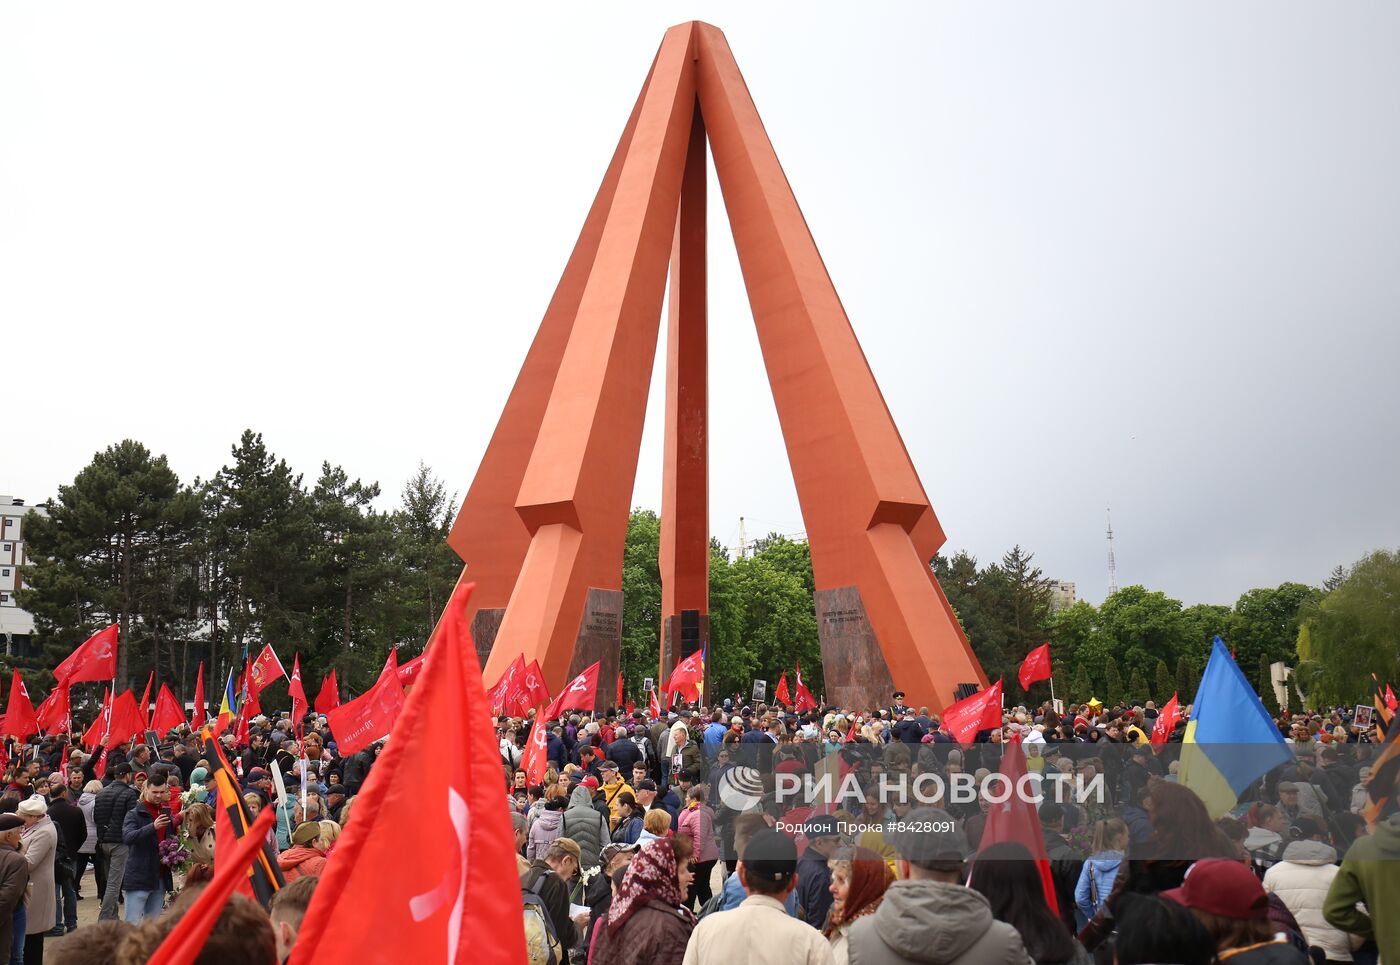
pixel 1112 563
pixel 743 543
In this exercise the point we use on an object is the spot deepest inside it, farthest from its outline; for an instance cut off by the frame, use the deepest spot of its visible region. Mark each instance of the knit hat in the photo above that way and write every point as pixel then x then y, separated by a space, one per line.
pixel 199 775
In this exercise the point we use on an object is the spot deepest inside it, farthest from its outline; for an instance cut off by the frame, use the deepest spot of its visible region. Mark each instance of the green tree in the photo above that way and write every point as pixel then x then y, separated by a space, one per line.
pixel 641 602
pixel 1266 622
pixel 112 550
pixel 1080 687
pixel 1350 633
pixel 1185 680
pixel 1165 684
pixel 1137 688
pixel 1295 699
pixel 1113 683
pixel 1264 684
pixel 427 566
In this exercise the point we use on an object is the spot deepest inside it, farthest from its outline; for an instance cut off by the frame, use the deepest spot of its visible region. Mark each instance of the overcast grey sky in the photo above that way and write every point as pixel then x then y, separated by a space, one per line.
pixel 1096 253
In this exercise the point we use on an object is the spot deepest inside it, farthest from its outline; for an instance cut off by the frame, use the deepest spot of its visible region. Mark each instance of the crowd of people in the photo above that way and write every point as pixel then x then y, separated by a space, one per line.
pixel 636 846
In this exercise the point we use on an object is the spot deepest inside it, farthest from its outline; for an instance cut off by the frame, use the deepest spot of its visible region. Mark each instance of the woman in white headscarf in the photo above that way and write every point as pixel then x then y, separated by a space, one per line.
pixel 39 842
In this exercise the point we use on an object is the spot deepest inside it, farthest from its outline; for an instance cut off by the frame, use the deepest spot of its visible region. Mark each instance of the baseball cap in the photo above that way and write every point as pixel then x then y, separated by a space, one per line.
pixel 821 826
pixel 611 851
pixel 931 835
pixel 770 857
pixel 569 845
pixel 1222 887
pixel 589 782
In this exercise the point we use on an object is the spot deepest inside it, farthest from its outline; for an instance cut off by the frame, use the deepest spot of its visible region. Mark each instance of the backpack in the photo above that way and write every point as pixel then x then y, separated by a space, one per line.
pixel 715 903
pixel 542 945
pixel 643 744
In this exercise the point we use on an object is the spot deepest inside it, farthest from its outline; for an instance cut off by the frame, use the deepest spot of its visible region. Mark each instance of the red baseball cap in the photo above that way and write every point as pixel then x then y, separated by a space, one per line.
pixel 589 782
pixel 1222 887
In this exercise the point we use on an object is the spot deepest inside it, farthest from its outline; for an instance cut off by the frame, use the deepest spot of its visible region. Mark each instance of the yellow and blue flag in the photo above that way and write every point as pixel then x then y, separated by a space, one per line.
pixel 1230 741
pixel 228 707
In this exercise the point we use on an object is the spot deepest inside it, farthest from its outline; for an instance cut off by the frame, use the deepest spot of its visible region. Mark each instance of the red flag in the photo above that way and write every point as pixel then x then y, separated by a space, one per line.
pixel 688 676
pixel 409 671
pixel 200 713
pixel 459 836
pixel 1035 667
pixel 95 659
pixel 329 697
pixel 53 713
pixel 805 700
pixel 297 693
pixel 654 707
pixel 533 760
pixel 168 714
pixel 503 694
pixel 186 940
pixel 1166 721
pixel 146 701
pixel 94 734
pixel 368 717
pixel 580 694
pixel 535 690
pixel 125 722
pixel 851 734
pixel 264 670
pixel 619 686
pixel 630 707
pixel 981 711
pixel 780 692
pixel 1390 700
pixel 20 720
pixel 391 662
pixel 1016 819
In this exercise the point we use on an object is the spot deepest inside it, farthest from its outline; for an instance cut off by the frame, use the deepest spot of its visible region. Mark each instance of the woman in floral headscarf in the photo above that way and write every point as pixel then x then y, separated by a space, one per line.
pixel 647 924
pixel 858 882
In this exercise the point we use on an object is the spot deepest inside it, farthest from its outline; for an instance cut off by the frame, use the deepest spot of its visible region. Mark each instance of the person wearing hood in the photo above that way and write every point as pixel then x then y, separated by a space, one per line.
pixel 1301 879
pixel 548 826
pixel 1370 874
pixel 305 856
pixel 584 824
pixel 928 916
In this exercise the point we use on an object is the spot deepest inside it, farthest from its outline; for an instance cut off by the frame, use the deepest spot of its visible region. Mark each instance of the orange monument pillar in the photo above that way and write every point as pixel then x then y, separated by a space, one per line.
pixel 542 527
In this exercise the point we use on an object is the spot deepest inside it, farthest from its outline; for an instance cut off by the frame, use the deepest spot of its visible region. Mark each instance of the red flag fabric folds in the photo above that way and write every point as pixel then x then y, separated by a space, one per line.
pixel 981 711
pixel 95 659
pixel 1016 819
pixel 20 719
pixel 125 722
pixel 805 700
pixel 580 694
pixel 1035 667
pixel 619 687
pixel 200 713
pixel 780 692
pixel 1166 721
pixel 535 690
pixel 329 697
pixel 1390 699
pixel 145 704
pixel 687 677
pixel 168 713
pixel 53 713
pixel 409 671
pixel 506 694
pixel 368 717
pixel 654 707
pixel 94 734
pixel 297 693
pixel 456 901
pixel 264 670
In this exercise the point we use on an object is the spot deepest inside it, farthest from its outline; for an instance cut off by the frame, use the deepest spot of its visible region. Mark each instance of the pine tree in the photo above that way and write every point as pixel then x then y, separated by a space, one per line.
pixel 1081 688
pixel 1137 687
pixel 1185 680
pixel 1165 684
pixel 1265 686
pixel 1113 683
pixel 1295 697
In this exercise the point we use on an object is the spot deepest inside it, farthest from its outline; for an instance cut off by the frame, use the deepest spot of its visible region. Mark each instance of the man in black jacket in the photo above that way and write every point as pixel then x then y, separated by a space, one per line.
pixel 72 827
pixel 109 810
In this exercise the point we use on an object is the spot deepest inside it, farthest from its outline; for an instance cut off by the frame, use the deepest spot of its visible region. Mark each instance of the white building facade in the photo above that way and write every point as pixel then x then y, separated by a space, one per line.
pixel 16 625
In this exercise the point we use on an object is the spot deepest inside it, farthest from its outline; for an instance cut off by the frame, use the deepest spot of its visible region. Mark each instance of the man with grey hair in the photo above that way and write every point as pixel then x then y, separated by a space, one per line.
pixel 928 916
pixel 519 825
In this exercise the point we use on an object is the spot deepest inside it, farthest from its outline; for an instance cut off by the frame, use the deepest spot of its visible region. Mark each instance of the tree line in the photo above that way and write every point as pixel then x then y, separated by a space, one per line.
pixel 204 570
pixel 209 569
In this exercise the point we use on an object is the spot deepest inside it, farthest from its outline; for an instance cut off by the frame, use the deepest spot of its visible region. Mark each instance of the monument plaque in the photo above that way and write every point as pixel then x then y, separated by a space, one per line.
pixel 852 663
pixel 600 641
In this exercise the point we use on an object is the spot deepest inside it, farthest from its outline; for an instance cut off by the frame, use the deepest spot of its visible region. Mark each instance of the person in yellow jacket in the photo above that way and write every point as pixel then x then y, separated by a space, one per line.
pixel 613 785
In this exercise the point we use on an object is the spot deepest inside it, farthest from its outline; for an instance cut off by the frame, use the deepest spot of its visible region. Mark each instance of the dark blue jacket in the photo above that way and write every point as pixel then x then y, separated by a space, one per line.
pixel 143 868
pixel 554 751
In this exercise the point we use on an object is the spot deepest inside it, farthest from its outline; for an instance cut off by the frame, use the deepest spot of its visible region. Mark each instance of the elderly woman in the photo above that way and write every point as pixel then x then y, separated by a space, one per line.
pixel 647 923
pixel 859 879
pixel 39 842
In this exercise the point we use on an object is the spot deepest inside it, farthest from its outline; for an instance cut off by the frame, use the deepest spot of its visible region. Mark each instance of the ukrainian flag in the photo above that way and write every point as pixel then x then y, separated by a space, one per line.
pixel 1230 741
pixel 228 707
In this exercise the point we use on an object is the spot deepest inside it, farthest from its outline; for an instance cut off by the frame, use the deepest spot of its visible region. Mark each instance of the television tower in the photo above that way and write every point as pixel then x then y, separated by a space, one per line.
pixel 1112 564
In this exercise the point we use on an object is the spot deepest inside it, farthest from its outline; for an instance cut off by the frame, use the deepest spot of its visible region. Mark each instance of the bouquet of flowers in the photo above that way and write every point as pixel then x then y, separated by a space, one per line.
pixel 173 855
